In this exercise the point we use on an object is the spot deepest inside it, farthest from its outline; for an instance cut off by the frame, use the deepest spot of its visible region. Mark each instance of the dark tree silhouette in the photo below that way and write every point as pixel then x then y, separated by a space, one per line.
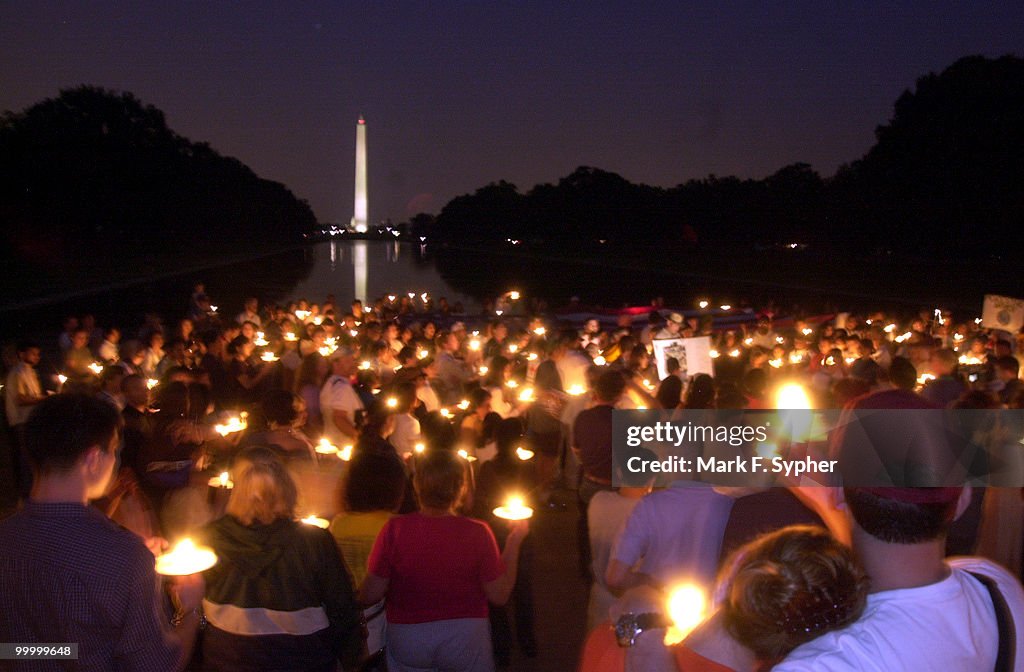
pixel 98 172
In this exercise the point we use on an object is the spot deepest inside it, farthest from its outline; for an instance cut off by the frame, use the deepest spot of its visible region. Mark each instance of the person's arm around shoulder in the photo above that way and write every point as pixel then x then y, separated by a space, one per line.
pixel 500 589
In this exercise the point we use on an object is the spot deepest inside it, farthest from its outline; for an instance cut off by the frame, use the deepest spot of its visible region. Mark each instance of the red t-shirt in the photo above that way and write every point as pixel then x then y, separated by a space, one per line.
pixel 437 567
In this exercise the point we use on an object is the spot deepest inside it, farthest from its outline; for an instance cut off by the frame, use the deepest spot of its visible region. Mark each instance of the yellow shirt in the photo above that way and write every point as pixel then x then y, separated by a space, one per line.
pixel 355 534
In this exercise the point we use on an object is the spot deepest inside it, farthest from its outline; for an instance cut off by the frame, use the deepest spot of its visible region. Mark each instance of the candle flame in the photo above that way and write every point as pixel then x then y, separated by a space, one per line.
pixel 687 608
pixel 793 396
pixel 524 454
pixel 185 558
pixel 576 390
pixel 312 519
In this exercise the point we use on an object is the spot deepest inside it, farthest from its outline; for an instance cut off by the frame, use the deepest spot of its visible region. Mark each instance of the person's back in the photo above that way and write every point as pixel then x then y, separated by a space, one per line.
pixel 676 533
pixel 924 612
pixel 67 573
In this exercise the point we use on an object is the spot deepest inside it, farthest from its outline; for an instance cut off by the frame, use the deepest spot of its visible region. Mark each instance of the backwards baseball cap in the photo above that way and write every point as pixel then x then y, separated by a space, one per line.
pixel 898 446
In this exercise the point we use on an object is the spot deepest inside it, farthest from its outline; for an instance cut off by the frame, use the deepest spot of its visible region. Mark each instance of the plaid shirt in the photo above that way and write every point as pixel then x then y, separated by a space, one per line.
pixel 70 575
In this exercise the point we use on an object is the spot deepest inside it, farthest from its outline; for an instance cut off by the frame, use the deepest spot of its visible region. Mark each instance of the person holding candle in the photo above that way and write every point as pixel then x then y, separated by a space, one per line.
pixel 499 479
pixel 773 594
pixel 438 571
pixel 69 573
pixel 280 596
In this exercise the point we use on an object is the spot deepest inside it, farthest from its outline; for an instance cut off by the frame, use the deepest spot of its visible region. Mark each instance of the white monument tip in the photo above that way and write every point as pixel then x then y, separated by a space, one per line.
pixel 361 120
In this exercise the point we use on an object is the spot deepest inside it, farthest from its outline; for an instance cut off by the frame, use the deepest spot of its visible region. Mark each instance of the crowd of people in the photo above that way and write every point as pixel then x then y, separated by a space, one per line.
pixel 407 424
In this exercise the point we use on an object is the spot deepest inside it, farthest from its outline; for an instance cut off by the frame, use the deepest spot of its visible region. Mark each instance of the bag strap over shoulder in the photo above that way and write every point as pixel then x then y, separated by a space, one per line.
pixel 1004 622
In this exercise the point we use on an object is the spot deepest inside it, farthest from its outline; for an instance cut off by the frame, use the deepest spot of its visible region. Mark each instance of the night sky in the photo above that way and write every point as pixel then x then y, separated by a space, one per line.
pixel 459 94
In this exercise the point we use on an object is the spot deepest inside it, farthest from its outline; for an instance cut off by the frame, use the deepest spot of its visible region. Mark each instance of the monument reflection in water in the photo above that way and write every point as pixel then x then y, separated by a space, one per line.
pixel 369 269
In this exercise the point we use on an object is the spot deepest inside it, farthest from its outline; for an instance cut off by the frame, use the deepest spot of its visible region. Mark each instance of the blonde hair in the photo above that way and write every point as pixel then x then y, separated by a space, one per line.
pixel 788 587
pixel 264 490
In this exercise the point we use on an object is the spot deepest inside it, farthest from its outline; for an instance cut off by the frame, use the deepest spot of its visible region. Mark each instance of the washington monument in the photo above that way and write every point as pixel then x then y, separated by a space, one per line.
pixel 359 218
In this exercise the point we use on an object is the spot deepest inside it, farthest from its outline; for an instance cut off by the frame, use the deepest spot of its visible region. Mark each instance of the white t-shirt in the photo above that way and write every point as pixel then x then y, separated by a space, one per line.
pixel 948 626
pixel 406 434
pixel 22 380
pixel 676 533
pixel 337 395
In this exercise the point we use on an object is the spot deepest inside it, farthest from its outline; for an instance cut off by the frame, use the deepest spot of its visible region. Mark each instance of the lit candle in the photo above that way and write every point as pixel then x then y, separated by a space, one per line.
pixel 806 331
pixel 466 456
pixel 151 383
pixel 793 396
pixel 423 354
pixel 600 361
pixel 703 303
pixel 511 384
pixel 325 447
pixel 391 402
pixel 514 509
pixel 513 348
pixel 96 368
pixel 302 314
pixel 713 354
pixel 775 363
pixel 365 365
pixel 419 448
pixel 269 357
pixel 748 341
pixel 354 333
pixel 499 312
pixel 290 336
pixel 524 454
pixel 540 331
pixel 445 413
pixel 222 481
pixel 312 519
pixel 260 341
pixel 235 423
pixel 345 454
pixel 474 344
pixel 62 378
pixel 185 558
pixel 463 405
pixel 532 357
pixel 734 352
pixel 726 306
pixel 924 378
pixel 687 608
pixel 576 390
pixel 526 395
pixel 483 370
pixel 514 295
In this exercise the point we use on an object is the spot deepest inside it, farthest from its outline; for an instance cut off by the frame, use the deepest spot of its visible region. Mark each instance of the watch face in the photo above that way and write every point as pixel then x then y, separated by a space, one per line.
pixel 626 630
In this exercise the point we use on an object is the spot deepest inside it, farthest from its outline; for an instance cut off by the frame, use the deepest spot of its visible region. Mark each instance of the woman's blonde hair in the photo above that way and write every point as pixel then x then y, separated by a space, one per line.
pixel 788 587
pixel 264 490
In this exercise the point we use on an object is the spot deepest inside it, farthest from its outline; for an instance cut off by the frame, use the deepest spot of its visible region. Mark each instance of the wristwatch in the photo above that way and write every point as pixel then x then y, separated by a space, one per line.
pixel 629 626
